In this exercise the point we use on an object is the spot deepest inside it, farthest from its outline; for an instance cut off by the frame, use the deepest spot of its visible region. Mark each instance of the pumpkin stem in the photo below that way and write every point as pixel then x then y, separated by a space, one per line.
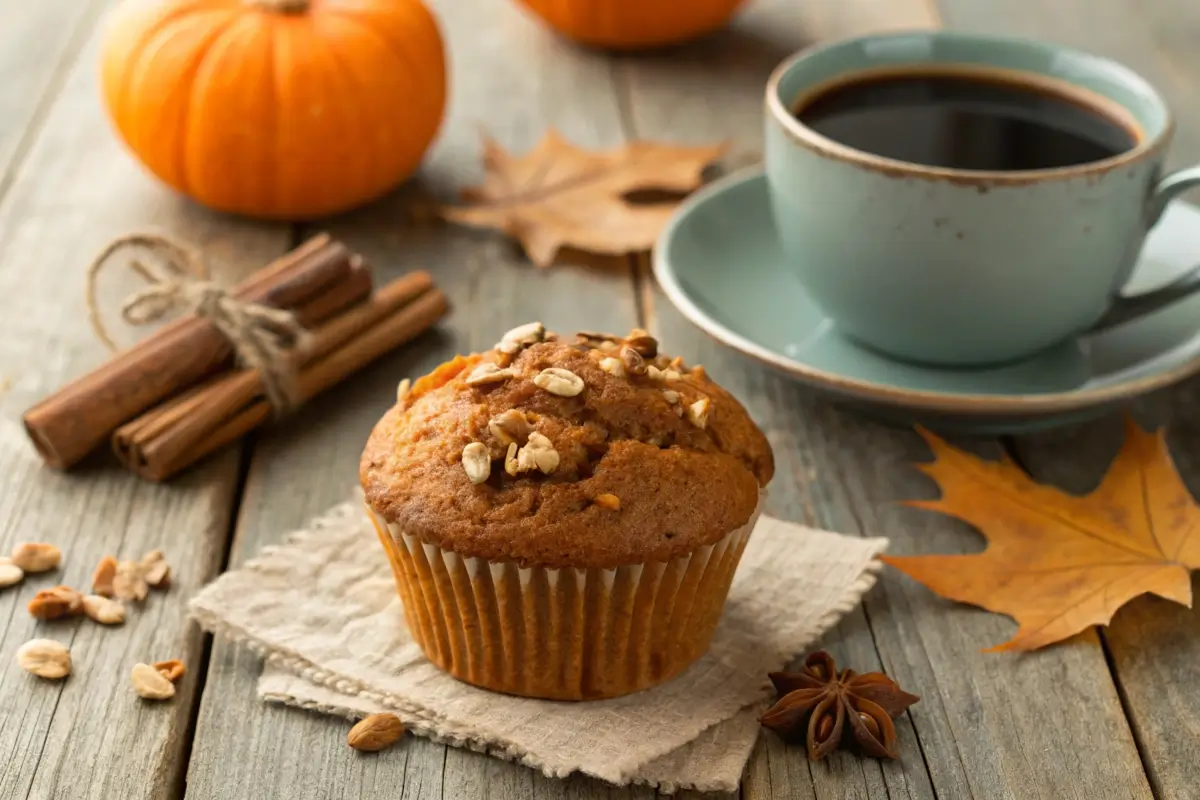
pixel 281 6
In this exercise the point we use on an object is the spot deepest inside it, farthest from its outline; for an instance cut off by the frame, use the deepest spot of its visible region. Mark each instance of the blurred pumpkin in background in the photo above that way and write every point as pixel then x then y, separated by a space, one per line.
pixel 633 24
pixel 281 109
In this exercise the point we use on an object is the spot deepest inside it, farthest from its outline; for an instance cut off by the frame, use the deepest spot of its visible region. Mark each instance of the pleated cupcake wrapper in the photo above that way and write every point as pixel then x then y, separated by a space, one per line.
pixel 566 634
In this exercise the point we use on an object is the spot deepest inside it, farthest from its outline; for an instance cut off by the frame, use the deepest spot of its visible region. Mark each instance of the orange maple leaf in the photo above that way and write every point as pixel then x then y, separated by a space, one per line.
pixel 1058 563
pixel 558 194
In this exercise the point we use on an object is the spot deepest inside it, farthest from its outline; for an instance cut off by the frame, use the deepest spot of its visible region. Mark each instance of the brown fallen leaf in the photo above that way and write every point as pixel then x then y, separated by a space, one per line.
pixel 1058 563
pixel 558 194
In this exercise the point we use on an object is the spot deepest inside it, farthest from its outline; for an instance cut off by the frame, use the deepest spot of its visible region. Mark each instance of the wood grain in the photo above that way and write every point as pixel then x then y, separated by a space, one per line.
pixel 245 749
pixel 986 726
pixel 1154 645
pixel 38 44
pixel 90 736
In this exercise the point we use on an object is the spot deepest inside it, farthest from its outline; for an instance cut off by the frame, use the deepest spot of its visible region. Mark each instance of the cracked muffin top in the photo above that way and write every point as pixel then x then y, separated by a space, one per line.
pixel 597 452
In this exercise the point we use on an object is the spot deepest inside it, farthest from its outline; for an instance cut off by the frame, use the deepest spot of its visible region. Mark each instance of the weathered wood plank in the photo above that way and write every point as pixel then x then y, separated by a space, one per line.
pixel 90 736
pixel 1047 725
pixel 243 748
pixel 38 43
pixel 1154 645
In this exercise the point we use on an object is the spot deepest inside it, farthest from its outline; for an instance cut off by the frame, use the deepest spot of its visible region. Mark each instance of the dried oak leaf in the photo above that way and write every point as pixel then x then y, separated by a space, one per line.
pixel 558 194
pixel 1058 563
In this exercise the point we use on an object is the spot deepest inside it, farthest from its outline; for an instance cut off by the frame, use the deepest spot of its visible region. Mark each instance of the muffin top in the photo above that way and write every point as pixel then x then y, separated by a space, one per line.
pixel 597 452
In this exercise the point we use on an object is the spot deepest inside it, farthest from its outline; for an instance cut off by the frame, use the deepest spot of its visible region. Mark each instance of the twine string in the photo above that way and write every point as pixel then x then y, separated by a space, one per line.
pixel 264 338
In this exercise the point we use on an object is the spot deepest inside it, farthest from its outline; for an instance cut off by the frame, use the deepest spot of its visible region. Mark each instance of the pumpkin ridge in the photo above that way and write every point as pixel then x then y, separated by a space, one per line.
pixel 362 167
pixel 156 39
pixel 195 88
pixel 361 17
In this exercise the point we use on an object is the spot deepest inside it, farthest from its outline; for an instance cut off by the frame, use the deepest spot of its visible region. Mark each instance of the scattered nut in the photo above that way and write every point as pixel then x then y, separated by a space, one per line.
pixel 376 732
pixel 654 373
pixel 151 684
pixel 613 366
pixel 608 500
pixel 45 658
pixel 634 363
pixel 678 411
pixel 595 337
pixel 539 454
pixel 104 610
pixel 645 344
pixel 521 337
pixel 155 569
pixel 671 396
pixel 488 373
pixel 402 390
pixel 671 375
pixel 129 583
pixel 61 601
pixel 609 347
pixel 171 670
pixel 697 412
pixel 557 381
pixel 36 557
pixel 477 462
pixel 10 573
pixel 102 578
pixel 510 426
pixel 510 460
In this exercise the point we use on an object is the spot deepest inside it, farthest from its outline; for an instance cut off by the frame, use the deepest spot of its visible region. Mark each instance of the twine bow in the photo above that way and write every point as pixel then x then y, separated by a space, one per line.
pixel 263 337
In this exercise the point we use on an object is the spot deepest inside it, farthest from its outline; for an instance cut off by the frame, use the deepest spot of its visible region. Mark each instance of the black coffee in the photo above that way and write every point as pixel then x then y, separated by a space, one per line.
pixel 964 122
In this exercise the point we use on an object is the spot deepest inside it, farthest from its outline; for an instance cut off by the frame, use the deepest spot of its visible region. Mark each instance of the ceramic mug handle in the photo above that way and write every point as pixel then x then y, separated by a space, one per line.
pixel 1125 309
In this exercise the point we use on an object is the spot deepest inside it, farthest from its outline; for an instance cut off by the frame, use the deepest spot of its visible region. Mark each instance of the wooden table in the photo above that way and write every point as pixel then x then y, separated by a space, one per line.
pixel 1112 714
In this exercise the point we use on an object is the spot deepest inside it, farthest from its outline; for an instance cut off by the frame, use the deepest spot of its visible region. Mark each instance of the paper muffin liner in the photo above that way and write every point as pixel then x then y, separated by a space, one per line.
pixel 561 634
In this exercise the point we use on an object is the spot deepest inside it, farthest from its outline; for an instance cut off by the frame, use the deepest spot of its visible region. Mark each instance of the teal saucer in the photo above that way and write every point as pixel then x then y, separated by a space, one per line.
pixel 720 263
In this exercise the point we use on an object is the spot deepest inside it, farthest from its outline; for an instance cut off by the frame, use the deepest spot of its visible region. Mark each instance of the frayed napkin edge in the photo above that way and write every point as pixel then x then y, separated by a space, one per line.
pixel 423 723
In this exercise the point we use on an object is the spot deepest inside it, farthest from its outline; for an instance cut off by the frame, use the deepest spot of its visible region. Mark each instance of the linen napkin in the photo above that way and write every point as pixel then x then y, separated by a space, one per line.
pixel 323 610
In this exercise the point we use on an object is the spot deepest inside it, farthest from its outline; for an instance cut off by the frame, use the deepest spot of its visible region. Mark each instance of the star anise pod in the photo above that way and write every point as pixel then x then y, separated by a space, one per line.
pixel 817 702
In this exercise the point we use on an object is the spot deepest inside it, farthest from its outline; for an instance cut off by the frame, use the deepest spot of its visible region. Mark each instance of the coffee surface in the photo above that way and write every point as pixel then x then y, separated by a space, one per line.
pixel 964 122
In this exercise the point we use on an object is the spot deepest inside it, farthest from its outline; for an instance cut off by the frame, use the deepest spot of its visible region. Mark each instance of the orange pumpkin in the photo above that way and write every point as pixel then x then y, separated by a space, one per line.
pixel 633 24
pixel 283 109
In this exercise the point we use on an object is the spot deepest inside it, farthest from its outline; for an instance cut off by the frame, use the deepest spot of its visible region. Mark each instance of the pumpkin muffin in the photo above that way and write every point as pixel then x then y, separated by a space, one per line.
pixel 564 518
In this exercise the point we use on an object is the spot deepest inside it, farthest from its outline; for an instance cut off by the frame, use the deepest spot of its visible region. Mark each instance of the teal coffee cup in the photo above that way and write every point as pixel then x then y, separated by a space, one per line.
pixel 962 199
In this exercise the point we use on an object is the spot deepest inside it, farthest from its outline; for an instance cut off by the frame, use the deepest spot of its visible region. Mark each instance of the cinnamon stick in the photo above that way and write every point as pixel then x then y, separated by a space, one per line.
pixel 173 436
pixel 319 279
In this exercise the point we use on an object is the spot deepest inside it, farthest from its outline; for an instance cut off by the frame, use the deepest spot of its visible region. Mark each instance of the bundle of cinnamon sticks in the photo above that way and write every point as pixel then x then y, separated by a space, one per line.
pixel 178 395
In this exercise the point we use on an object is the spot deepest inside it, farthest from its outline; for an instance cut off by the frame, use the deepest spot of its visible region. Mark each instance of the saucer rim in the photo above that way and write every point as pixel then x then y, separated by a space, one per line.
pixel 938 401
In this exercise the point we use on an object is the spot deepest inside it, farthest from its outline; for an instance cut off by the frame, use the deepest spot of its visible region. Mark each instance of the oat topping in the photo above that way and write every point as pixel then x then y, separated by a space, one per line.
pixel 643 343
pixel 537 454
pixel 633 361
pixel 613 366
pixel 477 462
pixel 402 390
pixel 557 381
pixel 697 413
pixel 510 460
pixel 511 426
pixel 488 373
pixel 608 500
pixel 102 578
pixel 521 337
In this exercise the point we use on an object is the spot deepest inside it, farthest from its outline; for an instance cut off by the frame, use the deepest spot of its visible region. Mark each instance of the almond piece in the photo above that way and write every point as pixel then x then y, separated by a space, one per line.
pixel 128 582
pixel 376 732
pixel 61 601
pixel 171 670
pixel 150 683
pixel 102 578
pixel 155 569
pixel 104 610
pixel 45 658
pixel 10 573
pixel 36 556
